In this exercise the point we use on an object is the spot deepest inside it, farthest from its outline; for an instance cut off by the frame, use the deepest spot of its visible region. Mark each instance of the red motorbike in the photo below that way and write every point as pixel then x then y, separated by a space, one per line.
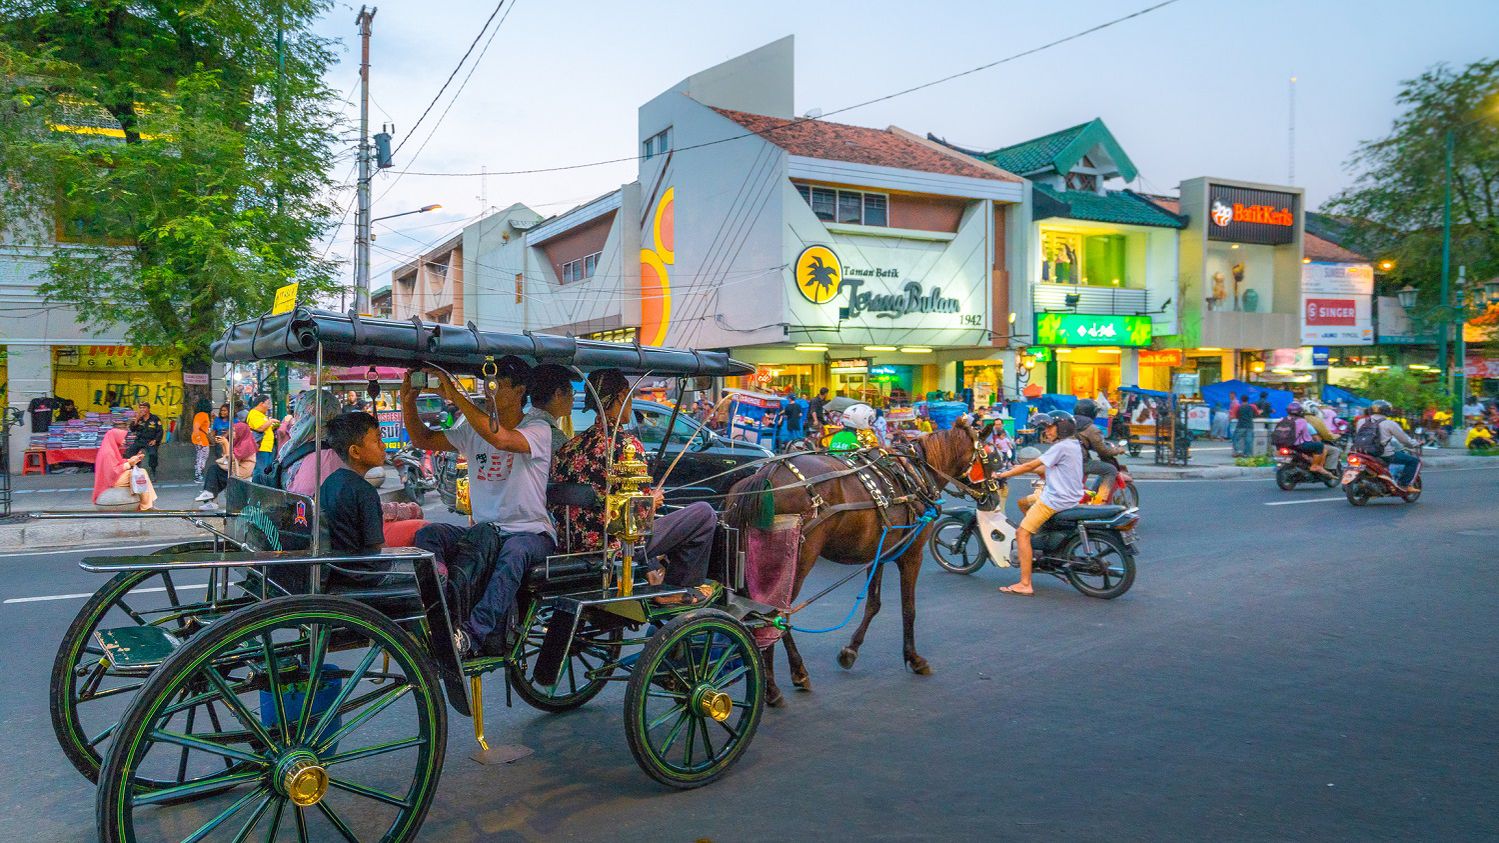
pixel 1369 477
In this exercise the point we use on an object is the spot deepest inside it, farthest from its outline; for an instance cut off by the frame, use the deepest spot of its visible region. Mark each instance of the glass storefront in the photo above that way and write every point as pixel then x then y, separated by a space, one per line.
pixel 1085 372
pixel 987 380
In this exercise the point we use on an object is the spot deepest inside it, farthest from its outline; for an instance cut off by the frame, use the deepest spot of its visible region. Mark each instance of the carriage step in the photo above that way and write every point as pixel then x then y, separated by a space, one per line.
pixel 129 647
pixel 483 664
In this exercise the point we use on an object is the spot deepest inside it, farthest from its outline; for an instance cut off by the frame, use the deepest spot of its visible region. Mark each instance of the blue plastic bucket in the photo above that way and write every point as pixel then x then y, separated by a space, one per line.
pixel 292 699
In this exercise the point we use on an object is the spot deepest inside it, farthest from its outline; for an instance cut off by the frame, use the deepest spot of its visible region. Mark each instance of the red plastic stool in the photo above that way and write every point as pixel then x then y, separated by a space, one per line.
pixel 34 462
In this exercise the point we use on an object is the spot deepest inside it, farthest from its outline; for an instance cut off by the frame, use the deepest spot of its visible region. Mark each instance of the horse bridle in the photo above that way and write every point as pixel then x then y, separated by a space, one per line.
pixel 919 447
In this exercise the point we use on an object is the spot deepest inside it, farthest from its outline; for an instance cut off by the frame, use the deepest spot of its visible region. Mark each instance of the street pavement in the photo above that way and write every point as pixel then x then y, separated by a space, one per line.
pixel 1286 667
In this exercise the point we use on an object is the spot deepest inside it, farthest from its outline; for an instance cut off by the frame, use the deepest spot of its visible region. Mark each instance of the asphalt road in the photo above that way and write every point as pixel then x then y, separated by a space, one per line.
pixel 1307 671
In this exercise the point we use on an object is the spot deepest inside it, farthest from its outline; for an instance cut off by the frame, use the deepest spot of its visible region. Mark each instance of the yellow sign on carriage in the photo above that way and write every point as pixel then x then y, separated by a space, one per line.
pixel 286 299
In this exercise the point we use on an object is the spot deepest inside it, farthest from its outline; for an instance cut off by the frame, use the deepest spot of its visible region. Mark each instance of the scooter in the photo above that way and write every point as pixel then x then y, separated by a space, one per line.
pixel 415 468
pixel 1369 477
pixel 1091 547
pixel 1125 494
pixel 1293 468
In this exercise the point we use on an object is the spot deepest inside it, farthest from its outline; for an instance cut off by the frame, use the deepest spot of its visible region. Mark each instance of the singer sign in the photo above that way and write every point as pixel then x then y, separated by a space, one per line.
pixel 1335 304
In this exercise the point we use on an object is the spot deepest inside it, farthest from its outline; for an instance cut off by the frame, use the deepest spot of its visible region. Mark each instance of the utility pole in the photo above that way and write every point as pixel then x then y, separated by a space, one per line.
pixel 1460 347
pixel 362 220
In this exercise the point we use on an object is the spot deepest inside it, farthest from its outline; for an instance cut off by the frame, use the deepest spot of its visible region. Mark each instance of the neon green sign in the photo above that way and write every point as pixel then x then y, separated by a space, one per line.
pixel 1087 329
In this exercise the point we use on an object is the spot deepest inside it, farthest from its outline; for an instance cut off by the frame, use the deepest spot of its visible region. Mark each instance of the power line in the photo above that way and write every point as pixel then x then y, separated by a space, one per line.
pixel 449 80
pixel 800 120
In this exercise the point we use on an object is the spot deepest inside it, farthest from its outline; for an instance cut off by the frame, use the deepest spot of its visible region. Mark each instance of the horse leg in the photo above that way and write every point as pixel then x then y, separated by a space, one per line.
pixel 848 655
pixel 773 696
pixel 799 676
pixel 910 566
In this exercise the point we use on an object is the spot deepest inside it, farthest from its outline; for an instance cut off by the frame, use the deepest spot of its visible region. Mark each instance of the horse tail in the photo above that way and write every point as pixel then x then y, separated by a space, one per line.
pixel 752 501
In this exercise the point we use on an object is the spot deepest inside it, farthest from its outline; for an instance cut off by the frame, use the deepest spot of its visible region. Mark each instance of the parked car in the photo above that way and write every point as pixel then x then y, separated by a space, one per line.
pixel 694 478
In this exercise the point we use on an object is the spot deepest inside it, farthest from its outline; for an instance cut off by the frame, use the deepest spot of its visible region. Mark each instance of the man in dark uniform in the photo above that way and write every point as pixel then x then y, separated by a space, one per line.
pixel 147 429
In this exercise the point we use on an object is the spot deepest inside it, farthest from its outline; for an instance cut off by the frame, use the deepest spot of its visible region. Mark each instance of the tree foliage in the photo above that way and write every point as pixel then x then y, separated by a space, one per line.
pixel 1406 391
pixel 1396 197
pixel 180 154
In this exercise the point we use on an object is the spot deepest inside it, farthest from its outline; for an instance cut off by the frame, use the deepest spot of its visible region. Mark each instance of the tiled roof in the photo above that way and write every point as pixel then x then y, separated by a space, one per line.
pixel 1124 207
pixel 1170 203
pixel 1318 249
pixel 859 145
pixel 1034 154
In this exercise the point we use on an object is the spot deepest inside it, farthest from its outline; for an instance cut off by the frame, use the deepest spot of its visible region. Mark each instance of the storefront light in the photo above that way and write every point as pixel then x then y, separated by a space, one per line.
pixel 915 349
pixel 1306 260
pixel 879 348
pixel 1282 371
pixel 811 348
pixel 1209 348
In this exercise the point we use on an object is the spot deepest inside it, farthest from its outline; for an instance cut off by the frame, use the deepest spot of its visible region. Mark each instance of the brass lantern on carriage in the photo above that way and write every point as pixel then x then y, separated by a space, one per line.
pixel 628 509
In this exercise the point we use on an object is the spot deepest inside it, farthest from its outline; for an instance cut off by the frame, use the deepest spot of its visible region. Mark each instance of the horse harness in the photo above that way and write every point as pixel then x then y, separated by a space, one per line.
pixel 890 479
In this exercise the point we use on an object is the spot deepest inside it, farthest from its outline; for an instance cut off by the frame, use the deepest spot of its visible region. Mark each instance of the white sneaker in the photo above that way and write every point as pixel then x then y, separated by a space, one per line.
pixel 204 495
pixel 209 507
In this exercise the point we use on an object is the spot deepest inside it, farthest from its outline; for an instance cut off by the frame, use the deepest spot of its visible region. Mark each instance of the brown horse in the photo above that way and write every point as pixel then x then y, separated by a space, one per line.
pixel 851 534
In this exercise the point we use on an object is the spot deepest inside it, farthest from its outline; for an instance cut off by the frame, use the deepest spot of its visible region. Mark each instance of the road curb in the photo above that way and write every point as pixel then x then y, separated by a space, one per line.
pixel 1228 472
pixel 64 534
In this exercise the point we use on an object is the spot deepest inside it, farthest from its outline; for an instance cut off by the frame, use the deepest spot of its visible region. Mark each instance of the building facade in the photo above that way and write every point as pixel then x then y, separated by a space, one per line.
pixel 431 286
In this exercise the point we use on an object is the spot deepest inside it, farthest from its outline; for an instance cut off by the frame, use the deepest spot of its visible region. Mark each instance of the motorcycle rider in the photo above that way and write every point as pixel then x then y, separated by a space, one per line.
pixel 1093 441
pixel 857 432
pixel 1395 445
pixel 1312 436
pixel 1062 468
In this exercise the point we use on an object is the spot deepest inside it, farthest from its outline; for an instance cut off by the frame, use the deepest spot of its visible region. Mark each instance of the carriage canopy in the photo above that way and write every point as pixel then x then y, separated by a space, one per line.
pixel 350 340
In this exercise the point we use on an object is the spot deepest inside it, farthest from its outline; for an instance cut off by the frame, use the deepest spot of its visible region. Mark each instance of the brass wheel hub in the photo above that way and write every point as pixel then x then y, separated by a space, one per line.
pixel 302 779
pixel 714 703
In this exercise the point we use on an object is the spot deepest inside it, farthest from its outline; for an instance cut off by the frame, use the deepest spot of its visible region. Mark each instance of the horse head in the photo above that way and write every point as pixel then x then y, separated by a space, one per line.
pixel 952 453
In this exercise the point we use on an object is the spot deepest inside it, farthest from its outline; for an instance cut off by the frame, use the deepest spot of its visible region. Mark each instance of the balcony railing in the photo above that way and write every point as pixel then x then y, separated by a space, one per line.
pixel 1115 301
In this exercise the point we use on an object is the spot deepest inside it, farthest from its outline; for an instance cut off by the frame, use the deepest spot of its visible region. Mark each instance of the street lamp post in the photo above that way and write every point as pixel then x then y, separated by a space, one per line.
pixel 362 271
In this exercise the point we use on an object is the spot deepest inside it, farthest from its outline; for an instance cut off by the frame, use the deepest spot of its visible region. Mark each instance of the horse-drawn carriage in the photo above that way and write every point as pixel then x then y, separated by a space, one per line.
pixel 253 685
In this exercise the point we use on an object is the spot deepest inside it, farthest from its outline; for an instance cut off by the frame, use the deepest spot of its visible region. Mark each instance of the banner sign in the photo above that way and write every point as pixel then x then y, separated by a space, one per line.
pixel 195 378
pixel 286 299
pixel 1244 215
pixel 1087 329
pixel 1162 357
pixel 1336 304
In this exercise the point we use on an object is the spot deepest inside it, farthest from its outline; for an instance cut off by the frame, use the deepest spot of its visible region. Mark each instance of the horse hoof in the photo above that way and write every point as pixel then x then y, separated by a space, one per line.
pixel 802 682
pixel 847 657
pixel 919 666
pixel 775 699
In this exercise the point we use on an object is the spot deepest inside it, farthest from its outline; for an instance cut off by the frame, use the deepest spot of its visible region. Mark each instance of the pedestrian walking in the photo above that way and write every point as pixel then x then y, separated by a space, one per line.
pixel 818 413
pixel 202 438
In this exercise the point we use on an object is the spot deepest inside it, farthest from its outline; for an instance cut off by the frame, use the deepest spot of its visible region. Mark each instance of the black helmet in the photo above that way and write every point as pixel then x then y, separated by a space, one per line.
pixel 1382 407
pixel 1087 408
pixel 1065 422
pixel 1039 421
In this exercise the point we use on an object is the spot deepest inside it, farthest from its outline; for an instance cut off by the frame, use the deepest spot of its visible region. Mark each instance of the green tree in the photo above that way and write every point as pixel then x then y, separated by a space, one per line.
pixel 179 147
pixel 1395 201
pixel 1405 391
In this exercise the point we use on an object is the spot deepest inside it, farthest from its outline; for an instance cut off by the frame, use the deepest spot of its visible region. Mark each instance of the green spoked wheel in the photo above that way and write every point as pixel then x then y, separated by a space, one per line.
pixel 694 699
pixel 359 761
pixel 593 651
pixel 89 692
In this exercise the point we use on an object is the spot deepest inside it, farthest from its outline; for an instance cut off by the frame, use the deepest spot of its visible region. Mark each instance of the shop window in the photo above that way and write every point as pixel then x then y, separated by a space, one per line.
pixel 656 144
pixel 1097 260
pixel 850 207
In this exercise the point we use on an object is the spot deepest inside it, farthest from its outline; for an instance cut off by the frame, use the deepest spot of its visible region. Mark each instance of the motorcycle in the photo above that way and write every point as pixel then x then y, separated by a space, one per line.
pixel 415 468
pixel 1369 477
pixel 1292 468
pixel 1091 547
pixel 1125 494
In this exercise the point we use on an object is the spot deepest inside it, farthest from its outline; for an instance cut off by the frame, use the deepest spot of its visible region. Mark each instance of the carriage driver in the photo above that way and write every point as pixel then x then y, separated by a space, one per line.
pixel 1062 468
pixel 684 537
pixel 507 471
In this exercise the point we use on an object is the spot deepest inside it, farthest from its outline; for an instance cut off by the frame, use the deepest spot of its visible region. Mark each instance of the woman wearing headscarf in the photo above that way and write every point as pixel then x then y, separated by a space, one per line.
pixel 112 470
pixel 202 437
pixel 292 459
pixel 242 460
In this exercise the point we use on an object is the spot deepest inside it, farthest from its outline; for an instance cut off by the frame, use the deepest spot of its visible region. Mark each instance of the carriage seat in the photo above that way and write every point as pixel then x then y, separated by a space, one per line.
pixel 1089 512
pixel 572 494
pixel 566 571
pixel 396 598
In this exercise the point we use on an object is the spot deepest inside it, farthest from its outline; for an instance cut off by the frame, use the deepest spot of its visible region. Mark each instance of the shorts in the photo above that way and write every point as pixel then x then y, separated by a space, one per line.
pixel 1037 515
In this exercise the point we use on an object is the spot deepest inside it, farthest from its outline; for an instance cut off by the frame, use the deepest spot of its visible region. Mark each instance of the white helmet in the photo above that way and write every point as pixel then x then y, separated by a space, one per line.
pixel 1311 405
pixel 859 417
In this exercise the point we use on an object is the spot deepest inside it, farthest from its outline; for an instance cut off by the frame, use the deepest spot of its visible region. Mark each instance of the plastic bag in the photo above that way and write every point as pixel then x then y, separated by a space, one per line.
pixel 139 482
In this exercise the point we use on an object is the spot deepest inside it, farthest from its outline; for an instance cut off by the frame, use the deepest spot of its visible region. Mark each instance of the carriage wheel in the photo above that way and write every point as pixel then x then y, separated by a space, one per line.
pixel 694 699
pixel 592 649
pixel 361 762
pixel 88 693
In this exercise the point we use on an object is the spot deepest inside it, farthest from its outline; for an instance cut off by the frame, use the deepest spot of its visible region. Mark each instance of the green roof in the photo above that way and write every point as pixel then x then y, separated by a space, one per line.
pixel 1124 207
pixel 1061 151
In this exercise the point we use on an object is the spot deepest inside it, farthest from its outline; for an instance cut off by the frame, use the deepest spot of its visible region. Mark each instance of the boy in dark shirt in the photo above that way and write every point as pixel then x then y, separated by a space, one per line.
pixel 351 506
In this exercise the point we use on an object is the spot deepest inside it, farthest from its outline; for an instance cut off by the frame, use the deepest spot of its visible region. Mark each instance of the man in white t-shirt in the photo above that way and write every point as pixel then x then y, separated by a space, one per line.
pixel 1062 467
pixel 507 482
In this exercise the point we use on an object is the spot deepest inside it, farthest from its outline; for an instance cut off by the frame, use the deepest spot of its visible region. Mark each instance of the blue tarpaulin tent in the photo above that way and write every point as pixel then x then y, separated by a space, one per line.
pixel 1338 395
pixel 1217 395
